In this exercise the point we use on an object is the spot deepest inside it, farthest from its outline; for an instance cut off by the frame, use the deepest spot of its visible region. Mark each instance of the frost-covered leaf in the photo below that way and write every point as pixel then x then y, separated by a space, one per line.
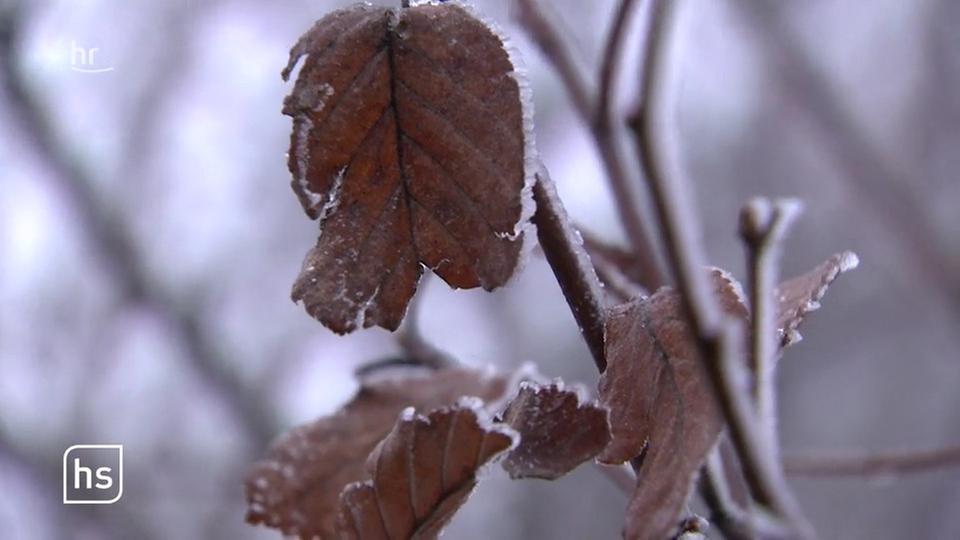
pixel 421 473
pixel 661 405
pixel 799 296
pixel 409 145
pixel 558 431
pixel 297 487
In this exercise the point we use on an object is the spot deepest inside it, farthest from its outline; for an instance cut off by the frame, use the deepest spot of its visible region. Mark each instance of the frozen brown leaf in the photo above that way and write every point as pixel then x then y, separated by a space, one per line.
pixel 558 431
pixel 409 144
pixel 799 296
pixel 296 489
pixel 662 409
pixel 421 473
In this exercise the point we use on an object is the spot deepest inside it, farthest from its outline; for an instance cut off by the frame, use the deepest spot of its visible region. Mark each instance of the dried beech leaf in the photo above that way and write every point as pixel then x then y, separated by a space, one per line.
pixel 661 405
pixel 799 296
pixel 558 431
pixel 409 144
pixel 297 487
pixel 422 472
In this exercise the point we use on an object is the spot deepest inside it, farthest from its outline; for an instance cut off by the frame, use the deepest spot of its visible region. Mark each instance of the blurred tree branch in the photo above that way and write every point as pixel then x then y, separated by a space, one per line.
pixel 880 464
pixel 110 235
pixel 537 23
pixel 885 190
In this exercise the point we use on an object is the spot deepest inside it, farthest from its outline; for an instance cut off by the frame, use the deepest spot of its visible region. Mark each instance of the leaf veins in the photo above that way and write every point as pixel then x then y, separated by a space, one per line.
pixel 422 473
pixel 297 487
pixel 558 431
pixel 408 146
pixel 663 414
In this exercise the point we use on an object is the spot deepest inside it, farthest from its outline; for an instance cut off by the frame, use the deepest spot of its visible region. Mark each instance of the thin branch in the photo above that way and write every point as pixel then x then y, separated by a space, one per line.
pixel 763 224
pixel 110 236
pixel 622 476
pixel 626 198
pixel 733 521
pixel 881 464
pixel 620 287
pixel 725 513
pixel 717 338
pixel 563 248
pixel 411 340
pixel 610 65
pixel 536 22
pixel 618 268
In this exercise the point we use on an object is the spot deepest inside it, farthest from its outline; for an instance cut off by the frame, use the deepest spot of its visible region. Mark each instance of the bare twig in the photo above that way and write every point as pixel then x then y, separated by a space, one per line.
pixel 626 197
pixel 411 340
pixel 622 476
pixel 726 514
pixel 563 249
pixel 618 268
pixel 735 522
pixel 880 464
pixel 763 224
pixel 110 236
pixel 537 23
pixel 716 337
pixel 610 65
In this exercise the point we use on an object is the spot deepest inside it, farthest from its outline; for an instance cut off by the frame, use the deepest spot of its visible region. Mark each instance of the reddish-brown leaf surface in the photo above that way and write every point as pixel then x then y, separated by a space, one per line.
pixel 409 146
pixel 297 487
pixel 799 296
pixel 558 431
pixel 662 410
pixel 660 401
pixel 422 473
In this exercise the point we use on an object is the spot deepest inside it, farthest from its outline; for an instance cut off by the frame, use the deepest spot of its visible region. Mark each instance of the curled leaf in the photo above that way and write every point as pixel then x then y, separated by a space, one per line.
pixel 422 472
pixel 409 146
pixel 558 431
pixel 799 296
pixel 297 487
pixel 662 408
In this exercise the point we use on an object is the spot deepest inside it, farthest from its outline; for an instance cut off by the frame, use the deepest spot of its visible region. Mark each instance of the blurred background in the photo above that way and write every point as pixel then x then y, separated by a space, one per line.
pixel 149 239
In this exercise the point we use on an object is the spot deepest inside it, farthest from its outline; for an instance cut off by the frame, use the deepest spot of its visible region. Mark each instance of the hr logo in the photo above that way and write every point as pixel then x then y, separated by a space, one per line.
pixel 84 59
pixel 93 474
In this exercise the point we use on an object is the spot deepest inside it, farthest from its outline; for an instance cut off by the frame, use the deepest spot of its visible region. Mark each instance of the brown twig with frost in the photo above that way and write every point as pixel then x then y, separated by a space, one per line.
pixel 563 248
pixel 537 24
pixel 716 337
pixel 763 224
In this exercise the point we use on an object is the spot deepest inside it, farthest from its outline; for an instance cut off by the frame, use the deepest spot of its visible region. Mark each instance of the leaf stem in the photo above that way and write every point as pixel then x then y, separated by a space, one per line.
pixel 563 249
pixel 716 338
